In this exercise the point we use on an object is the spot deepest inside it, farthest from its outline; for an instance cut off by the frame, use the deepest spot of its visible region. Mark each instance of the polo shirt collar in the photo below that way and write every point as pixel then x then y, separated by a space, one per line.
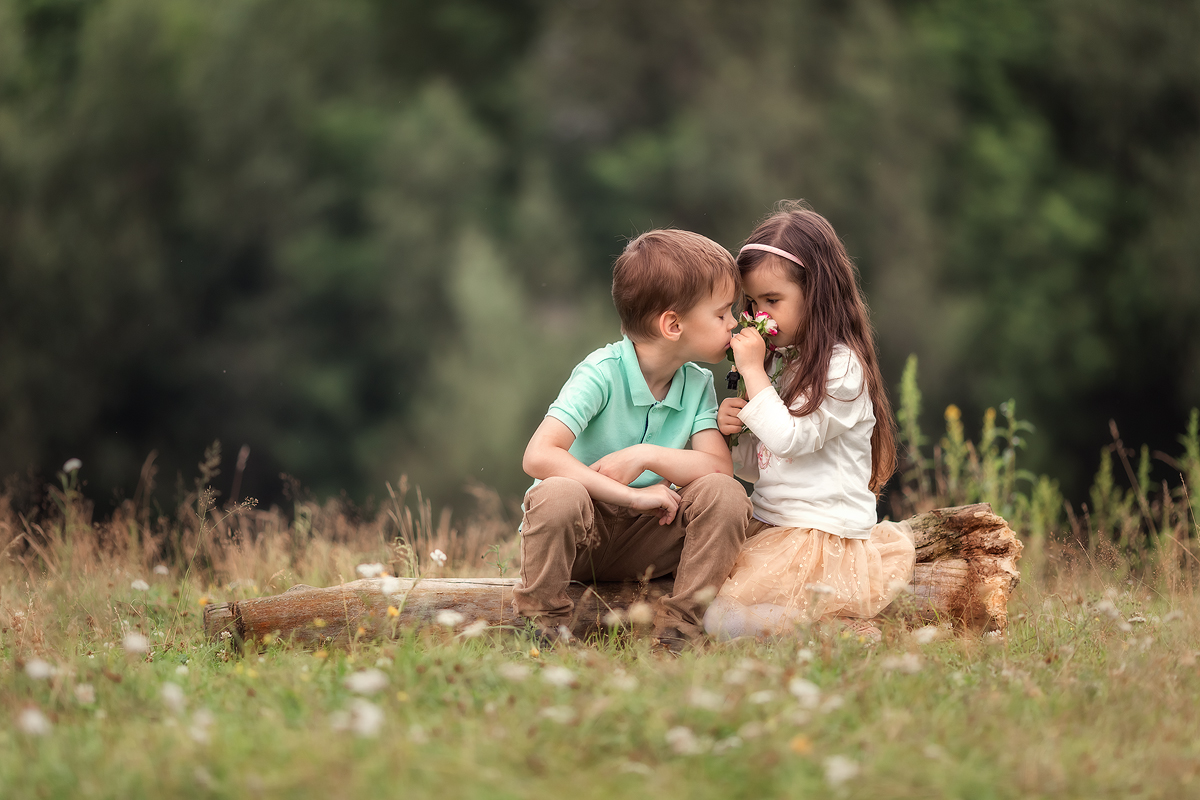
pixel 639 391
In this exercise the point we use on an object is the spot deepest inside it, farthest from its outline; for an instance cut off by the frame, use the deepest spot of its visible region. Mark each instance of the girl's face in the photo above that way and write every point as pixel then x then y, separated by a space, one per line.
pixel 770 288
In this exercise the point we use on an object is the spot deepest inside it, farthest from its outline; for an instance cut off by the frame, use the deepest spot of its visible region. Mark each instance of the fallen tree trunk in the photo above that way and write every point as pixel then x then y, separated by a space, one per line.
pixel 965 572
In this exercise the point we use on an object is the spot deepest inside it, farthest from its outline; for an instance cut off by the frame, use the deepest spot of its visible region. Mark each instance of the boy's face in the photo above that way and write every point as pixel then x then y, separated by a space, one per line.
pixel 707 326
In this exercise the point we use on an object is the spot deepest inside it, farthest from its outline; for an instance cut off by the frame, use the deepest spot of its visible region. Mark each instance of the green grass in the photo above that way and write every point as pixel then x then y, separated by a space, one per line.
pixel 1068 705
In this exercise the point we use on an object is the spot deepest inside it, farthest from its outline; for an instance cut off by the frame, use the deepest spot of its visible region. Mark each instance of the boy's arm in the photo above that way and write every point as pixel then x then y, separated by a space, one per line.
pixel 547 455
pixel 709 454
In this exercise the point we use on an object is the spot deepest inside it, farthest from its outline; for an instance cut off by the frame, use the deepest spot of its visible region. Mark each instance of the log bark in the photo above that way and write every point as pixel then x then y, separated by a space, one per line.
pixel 965 572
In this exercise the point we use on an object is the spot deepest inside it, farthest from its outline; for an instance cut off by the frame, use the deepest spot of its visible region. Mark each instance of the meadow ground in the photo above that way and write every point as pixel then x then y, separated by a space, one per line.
pixel 109 689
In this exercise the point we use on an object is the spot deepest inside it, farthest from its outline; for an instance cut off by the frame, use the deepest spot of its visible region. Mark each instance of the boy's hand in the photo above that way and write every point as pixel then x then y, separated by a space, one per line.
pixel 727 417
pixel 623 466
pixel 657 498
pixel 749 351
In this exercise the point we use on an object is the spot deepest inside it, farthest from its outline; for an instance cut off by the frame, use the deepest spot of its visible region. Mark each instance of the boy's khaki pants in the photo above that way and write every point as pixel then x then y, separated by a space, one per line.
pixel 567 536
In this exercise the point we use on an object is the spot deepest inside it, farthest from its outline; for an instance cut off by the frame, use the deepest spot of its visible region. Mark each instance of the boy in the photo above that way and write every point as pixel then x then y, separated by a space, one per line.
pixel 611 449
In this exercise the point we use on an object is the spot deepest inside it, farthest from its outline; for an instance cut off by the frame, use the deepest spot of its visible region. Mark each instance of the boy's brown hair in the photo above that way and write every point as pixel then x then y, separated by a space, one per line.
pixel 667 270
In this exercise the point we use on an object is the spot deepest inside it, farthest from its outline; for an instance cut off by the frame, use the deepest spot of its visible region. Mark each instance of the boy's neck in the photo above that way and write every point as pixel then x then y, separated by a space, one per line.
pixel 658 361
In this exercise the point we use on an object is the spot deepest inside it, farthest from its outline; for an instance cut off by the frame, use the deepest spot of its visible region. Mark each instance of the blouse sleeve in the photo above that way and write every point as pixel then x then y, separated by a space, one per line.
pixel 846 404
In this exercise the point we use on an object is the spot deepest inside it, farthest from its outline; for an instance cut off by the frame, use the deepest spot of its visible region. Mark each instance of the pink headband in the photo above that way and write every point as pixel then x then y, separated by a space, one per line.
pixel 766 248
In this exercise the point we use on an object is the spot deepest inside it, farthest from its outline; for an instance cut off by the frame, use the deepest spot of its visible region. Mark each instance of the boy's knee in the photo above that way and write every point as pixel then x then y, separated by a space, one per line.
pixel 718 488
pixel 558 498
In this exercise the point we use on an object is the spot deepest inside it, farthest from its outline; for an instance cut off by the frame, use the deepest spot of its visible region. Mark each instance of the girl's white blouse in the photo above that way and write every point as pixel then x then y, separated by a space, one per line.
pixel 813 471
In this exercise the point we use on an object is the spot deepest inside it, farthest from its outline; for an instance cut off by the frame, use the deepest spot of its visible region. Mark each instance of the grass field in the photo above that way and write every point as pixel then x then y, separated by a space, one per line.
pixel 108 687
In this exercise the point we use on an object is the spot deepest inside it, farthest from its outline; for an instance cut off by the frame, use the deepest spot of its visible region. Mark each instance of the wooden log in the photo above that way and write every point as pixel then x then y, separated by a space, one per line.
pixel 965 572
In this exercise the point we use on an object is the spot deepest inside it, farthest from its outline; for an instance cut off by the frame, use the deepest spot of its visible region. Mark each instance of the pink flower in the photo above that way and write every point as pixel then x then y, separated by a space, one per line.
pixel 762 315
pixel 772 327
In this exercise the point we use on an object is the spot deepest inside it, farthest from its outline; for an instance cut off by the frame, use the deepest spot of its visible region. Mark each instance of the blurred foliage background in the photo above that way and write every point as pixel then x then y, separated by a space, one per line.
pixel 371 237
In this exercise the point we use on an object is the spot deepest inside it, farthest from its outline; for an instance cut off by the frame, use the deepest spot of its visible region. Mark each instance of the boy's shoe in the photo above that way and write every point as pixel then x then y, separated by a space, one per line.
pixel 671 641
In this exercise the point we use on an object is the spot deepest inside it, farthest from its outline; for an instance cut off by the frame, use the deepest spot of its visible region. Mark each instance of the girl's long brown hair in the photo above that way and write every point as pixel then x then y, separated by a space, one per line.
pixel 834 311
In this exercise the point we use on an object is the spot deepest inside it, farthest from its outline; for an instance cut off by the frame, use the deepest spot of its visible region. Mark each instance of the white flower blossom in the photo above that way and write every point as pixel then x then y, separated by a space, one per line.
pixel 513 672
pixel 181 670
pixel 373 570
pixel 703 698
pixel 367 681
pixel 173 698
pixel 161 569
pixel 558 676
pixel 612 619
pixel 622 681
pixel 927 634
pixel 805 656
pixel 909 663
pixel 563 715
pixel 438 557
pixel 390 586
pixel 202 722
pixel 39 670
pixel 448 618
pixel 475 629
pixel 71 465
pixel 761 698
pixel 85 694
pixel 839 769
pixel 641 614
pixel 33 722
pixel 726 744
pixel 363 719
pixel 135 644
pixel 683 742
pixel 807 692
pixel 140 586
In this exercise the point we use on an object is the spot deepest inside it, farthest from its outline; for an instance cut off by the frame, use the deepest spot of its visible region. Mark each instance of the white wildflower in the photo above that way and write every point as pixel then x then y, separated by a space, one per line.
pixel 807 692
pixel 752 730
pixel 475 629
pixel 839 769
pixel 390 586
pixel 761 698
pixel 513 672
pixel 438 557
pixel 373 570
pixel 367 681
pixel 1136 619
pixel 72 465
pixel 683 742
pixel 449 618
pixel 1107 608
pixel 364 718
pixel 173 698
pixel 635 768
pixel 161 569
pixel 39 670
pixel 737 676
pixel 135 644
pixel 927 634
pixel 641 614
pixel 612 619
pixel 622 681
pixel 140 586
pixel 805 656
pixel 705 596
pixel 909 663
pixel 563 715
pixel 1174 616
pixel 703 698
pixel 202 722
pixel 85 694
pixel 558 676
pixel 726 744
pixel 417 734
pixel 33 722
pixel 181 670
pixel 383 662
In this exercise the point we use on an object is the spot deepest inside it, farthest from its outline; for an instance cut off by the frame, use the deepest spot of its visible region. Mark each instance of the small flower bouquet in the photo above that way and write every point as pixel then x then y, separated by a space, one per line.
pixel 767 328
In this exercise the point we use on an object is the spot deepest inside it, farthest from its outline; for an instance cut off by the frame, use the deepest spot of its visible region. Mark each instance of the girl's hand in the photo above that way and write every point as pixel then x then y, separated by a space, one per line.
pixel 623 466
pixel 749 352
pixel 727 417
pixel 657 498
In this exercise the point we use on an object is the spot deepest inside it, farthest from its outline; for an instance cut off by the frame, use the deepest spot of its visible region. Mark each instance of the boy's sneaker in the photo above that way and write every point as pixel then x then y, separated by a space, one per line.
pixel 671 641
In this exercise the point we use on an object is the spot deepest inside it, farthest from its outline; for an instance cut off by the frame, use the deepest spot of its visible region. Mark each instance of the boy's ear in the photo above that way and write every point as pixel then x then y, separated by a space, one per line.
pixel 670 326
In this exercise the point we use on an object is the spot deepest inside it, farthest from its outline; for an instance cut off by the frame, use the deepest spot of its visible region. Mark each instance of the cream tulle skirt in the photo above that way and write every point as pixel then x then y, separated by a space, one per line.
pixel 790 576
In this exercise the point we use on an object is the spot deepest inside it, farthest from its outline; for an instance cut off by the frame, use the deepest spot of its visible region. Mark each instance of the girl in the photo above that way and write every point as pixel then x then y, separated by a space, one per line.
pixel 816 439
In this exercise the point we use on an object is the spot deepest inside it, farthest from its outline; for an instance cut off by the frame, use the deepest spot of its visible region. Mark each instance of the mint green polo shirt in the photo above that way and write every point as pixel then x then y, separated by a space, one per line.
pixel 608 406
